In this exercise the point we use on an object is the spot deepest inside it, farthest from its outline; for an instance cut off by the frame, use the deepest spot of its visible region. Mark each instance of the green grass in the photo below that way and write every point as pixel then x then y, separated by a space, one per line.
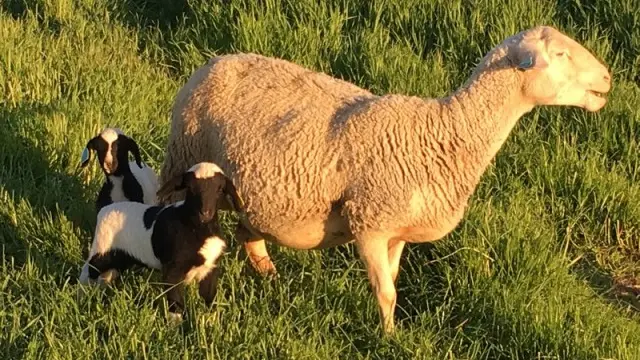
pixel 544 266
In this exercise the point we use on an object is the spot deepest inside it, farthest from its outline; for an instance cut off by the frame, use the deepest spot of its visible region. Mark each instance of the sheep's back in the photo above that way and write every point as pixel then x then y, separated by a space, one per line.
pixel 274 127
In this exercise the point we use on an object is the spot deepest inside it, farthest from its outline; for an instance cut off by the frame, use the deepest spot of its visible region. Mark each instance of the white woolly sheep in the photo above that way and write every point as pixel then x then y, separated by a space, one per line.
pixel 320 162
pixel 125 180
pixel 182 239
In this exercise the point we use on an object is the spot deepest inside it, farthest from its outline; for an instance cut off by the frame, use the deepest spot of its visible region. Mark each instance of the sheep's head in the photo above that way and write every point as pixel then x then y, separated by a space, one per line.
pixel 112 146
pixel 557 70
pixel 204 183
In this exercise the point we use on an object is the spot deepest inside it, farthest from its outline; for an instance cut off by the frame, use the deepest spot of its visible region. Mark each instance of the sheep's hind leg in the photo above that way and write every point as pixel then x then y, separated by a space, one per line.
pixel 256 249
pixel 373 249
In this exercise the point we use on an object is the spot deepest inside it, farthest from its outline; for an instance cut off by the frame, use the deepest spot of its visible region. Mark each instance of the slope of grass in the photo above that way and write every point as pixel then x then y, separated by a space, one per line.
pixel 544 266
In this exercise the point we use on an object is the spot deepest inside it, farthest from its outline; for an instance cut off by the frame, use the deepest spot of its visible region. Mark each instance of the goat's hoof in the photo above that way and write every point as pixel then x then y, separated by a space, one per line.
pixel 175 318
pixel 108 276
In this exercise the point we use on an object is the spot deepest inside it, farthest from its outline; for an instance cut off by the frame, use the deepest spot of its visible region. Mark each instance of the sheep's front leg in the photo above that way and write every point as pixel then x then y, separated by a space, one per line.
pixel 373 249
pixel 209 285
pixel 256 249
pixel 173 283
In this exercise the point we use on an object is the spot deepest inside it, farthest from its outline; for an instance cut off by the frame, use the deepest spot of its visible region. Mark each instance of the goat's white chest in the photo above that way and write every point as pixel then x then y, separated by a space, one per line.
pixel 210 251
pixel 117 192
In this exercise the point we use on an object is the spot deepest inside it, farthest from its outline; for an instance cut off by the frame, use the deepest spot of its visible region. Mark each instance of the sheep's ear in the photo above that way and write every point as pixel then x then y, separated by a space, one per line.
pixel 132 146
pixel 174 184
pixel 529 55
pixel 86 153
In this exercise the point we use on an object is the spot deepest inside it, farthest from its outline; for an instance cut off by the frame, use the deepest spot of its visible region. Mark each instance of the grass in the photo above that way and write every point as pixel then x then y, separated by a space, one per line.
pixel 544 265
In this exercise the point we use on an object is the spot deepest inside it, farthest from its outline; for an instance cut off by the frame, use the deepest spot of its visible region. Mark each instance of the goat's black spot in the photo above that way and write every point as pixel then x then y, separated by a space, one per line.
pixel 104 196
pixel 101 146
pixel 150 216
pixel 130 186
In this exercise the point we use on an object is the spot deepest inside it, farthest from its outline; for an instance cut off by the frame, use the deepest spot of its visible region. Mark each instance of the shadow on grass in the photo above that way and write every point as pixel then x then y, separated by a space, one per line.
pixel 622 291
pixel 27 175
pixel 15 8
pixel 164 14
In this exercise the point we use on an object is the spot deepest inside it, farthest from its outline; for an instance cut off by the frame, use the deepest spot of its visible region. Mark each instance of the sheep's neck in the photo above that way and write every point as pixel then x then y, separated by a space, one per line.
pixel 482 113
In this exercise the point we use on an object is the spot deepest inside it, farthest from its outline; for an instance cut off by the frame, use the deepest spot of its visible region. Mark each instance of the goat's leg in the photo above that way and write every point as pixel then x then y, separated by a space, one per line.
pixel 256 248
pixel 174 286
pixel 373 249
pixel 103 268
pixel 395 253
pixel 100 269
pixel 208 286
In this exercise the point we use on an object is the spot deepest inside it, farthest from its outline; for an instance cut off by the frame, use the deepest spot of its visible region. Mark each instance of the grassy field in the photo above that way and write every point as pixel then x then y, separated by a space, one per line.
pixel 544 266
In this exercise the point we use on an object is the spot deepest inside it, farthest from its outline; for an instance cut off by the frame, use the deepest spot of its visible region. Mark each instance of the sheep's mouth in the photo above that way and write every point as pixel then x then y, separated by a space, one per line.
pixel 597 94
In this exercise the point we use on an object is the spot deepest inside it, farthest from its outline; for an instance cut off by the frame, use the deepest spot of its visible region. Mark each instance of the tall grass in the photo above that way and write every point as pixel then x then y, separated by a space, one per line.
pixel 544 265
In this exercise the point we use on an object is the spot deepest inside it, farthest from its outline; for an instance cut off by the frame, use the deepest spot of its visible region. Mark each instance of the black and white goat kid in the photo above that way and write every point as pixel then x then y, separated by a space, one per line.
pixel 125 180
pixel 182 239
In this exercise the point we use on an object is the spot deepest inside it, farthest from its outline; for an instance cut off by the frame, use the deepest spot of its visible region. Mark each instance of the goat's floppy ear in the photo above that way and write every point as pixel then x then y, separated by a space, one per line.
pixel 132 146
pixel 86 152
pixel 232 193
pixel 529 54
pixel 174 184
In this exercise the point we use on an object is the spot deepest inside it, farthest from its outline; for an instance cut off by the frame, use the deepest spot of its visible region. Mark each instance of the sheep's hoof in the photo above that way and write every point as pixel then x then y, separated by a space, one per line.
pixel 264 266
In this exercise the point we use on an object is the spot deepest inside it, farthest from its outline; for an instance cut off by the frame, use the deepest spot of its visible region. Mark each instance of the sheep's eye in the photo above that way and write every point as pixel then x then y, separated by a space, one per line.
pixel 562 53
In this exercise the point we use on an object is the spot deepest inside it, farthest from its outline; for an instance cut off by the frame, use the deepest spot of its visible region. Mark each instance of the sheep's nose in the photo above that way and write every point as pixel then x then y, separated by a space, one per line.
pixel 607 77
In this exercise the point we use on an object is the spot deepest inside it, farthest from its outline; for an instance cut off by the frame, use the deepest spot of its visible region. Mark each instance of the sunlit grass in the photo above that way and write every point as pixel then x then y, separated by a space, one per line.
pixel 544 265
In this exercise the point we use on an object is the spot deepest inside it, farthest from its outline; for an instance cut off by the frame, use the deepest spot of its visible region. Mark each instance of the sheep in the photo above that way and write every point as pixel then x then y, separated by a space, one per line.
pixel 125 181
pixel 183 239
pixel 320 162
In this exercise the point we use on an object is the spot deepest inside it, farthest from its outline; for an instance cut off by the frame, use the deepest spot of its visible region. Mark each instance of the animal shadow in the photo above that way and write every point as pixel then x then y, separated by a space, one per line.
pixel 40 192
pixel 622 291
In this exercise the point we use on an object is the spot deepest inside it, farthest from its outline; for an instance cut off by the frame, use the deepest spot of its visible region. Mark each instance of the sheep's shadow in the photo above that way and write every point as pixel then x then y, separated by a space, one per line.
pixel 39 192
